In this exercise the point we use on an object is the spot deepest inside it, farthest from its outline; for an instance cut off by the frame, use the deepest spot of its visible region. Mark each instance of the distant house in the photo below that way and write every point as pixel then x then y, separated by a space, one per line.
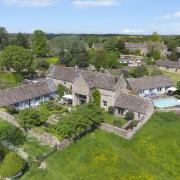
pixel 144 47
pixel 178 49
pixel 173 66
pixel 83 82
pixel 131 60
pixel 27 95
pixel 98 46
pixel 139 105
pixel 150 86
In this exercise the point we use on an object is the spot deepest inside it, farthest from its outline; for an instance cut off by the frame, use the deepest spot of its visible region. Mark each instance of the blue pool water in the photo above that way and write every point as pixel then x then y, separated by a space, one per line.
pixel 166 102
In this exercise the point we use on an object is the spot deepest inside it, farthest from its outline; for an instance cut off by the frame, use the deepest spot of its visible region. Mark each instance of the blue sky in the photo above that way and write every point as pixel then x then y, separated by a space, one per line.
pixel 91 16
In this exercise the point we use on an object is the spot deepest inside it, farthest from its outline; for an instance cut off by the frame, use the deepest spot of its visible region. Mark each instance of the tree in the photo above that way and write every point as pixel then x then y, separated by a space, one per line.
pixel 178 87
pixel 111 110
pixel 156 72
pixel 39 43
pixel 155 37
pixel 76 54
pixel 96 97
pixel 22 40
pixel 154 53
pixel 121 46
pixel 61 90
pixel 110 45
pixel 29 118
pixel 99 59
pixel 140 71
pixel 130 115
pixel 3 38
pixel 11 134
pixel 17 58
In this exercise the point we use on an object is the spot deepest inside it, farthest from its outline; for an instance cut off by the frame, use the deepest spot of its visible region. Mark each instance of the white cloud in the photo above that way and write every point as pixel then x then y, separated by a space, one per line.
pixel 95 3
pixel 169 16
pixel 34 3
pixel 132 31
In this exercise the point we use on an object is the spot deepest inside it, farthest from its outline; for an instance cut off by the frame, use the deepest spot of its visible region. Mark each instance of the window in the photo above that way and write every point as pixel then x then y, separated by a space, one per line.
pixel 105 103
pixel 151 90
pixel 64 82
pixel 37 99
pixel 141 91
pixel 159 89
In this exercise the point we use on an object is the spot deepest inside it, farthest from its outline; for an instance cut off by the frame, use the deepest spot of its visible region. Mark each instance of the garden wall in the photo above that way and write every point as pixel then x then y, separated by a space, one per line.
pixel 127 134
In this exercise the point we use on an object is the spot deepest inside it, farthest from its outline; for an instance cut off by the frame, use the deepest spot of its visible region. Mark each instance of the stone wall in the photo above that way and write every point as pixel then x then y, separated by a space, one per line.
pixel 9 118
pixel 127 134
pixel 115 130
pixel 176 110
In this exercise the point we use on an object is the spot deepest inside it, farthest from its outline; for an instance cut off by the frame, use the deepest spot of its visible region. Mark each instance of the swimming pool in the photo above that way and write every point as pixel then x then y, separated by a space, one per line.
pixel 166 102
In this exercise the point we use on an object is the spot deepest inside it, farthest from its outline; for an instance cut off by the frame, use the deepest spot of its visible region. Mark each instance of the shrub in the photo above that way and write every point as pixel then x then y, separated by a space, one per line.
pixel 140 71
pixel 10 133
pixel 76 122
pixel 111 110
pixel 156 72
pixel 61 90
pixel 3 152
pixel 96 97
pixel 12 110
pixel 42 64
pixel 29 118
pixel 12 164
pixel 129 115
pixel 117 123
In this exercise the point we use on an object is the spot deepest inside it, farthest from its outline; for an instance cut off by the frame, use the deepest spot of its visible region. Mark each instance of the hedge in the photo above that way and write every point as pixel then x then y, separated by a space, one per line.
pixel 12 164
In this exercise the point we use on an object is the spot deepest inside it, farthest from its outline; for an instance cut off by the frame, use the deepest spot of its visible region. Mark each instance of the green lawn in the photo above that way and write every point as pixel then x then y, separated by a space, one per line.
pixel 174 76
pixel 154 153
pixel 11 79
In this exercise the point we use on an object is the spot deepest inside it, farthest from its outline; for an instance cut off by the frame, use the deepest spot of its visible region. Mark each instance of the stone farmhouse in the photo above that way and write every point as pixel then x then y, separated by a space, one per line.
pixel 150 86
pixel 145 46
pixel 113 90
pixel 27 95
pixel 173 66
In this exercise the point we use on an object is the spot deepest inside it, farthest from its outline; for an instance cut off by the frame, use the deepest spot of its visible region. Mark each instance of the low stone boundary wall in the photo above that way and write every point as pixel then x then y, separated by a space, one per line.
pixel 127 134
pixel 176 110
pixel 9 118
pixel 112 129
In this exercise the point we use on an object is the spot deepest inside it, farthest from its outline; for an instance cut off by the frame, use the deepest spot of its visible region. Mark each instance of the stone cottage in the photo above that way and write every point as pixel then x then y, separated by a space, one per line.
pixel 28 95
pixel 173 66
pixel 149 86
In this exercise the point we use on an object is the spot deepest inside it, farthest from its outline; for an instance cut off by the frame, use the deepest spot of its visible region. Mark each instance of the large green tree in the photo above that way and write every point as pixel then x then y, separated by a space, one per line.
pixel 22 40
pixel 39 43
pixel 75 54
pixel 3 38
pixel 17 58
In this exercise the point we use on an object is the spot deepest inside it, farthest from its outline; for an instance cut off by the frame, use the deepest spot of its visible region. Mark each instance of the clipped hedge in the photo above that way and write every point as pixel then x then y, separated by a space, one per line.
pixel 12 165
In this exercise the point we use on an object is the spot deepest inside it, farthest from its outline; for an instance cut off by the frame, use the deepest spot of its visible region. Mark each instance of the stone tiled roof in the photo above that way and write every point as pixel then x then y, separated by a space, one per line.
pixel 93 78
pixel 25 92
pixel 168 64
pixel 100 80
pixel 62 73
pixel 133 103
pixel 149 82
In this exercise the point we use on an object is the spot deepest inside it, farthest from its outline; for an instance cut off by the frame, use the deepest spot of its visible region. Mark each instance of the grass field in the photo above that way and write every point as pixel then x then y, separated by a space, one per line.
pixel 174 76
pixel 11 78
pixel 154 153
